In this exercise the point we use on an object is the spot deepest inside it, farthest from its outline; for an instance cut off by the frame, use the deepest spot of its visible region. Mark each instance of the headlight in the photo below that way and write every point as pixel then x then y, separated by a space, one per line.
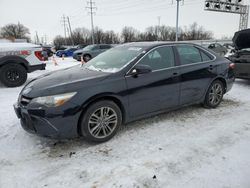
pixel 54 100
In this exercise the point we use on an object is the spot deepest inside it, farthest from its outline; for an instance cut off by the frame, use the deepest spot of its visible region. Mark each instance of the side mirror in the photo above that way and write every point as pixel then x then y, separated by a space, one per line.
pixel 140 69
pixel 211 46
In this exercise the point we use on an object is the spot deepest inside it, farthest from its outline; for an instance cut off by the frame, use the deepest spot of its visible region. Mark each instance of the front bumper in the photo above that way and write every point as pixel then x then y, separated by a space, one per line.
pixel 40 122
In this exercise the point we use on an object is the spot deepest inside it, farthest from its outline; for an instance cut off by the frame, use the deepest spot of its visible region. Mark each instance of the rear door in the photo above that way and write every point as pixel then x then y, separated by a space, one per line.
pixel 95 51
pixel 158 89
pixel 197 69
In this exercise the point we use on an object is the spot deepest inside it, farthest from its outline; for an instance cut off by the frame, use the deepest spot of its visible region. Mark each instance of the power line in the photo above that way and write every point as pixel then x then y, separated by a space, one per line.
pixel 91 8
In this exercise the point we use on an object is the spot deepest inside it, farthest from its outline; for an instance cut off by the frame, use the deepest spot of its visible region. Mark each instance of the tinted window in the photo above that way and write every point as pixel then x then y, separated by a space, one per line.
pixel 188 54
pixel 96 47
pixel 90 47
pixel 105 46
pixel 159 58
pixel 204 56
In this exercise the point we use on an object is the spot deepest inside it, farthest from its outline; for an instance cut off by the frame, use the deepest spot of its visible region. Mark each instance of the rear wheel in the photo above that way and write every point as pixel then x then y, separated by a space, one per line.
pixel 13 75
pixel 101 121
pixel 214 94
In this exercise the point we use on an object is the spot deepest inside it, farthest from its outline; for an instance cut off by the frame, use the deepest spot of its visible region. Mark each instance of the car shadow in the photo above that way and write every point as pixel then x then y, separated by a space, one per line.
pixel 243 82
pixel 72 147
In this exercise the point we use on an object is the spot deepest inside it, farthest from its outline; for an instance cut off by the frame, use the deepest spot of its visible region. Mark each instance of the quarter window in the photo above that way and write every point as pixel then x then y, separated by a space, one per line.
pixel 188 54
pixel 204 56
pixel 160 58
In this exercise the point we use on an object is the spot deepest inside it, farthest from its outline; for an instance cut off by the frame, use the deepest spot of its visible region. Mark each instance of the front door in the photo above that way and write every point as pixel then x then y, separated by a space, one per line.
pixel 158 89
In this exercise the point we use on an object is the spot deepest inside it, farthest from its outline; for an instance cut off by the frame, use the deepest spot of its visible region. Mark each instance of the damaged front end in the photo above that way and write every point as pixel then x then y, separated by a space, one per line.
pixel 241 57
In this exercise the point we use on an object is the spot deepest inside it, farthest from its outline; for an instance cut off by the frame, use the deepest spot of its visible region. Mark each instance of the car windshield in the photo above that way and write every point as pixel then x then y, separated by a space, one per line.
pixel 114 59
pixel 89 47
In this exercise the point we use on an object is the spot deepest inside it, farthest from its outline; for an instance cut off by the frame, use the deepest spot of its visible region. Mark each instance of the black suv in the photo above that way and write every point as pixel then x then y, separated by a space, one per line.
pixel 241 58
pixel 126 83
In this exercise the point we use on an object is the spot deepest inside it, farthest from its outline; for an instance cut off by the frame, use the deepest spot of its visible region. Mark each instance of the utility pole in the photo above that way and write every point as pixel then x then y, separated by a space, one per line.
pixel 159 20
pixel 37 38
pixel 91 7
pixel 177 20
pixel 70 31
pixel 158 28
pixel 64 25
pixel 45 39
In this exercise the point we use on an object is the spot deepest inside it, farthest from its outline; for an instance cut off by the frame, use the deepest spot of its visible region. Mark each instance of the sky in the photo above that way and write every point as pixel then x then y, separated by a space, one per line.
pixel 45 17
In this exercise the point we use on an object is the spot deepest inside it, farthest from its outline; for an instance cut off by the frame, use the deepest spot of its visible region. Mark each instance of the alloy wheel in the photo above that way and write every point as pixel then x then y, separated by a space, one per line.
pixel 102 122
pixel 215 94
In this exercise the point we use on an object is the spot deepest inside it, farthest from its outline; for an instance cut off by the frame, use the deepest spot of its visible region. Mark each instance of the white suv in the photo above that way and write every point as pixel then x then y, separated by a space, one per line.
pixel 18 59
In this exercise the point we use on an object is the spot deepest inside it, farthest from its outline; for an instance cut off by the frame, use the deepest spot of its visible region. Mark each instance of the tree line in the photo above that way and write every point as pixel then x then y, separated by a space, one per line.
pixel 130 34
pixel 127 34
pixel 15 31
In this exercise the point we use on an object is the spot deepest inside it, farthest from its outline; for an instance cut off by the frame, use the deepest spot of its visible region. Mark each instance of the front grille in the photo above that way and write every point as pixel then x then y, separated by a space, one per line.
pixel 25 100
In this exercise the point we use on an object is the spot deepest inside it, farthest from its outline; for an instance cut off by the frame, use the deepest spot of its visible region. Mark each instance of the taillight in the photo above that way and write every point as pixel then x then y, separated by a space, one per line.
pixel 231 65
pixel 39 55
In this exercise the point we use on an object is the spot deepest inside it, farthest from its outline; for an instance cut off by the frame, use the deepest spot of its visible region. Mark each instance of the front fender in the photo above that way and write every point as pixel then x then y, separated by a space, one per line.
pixel 14 59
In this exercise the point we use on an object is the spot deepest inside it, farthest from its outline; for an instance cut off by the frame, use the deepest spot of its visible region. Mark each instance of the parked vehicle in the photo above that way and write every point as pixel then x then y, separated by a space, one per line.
pixel 66 53
pixel 241 57
pixel 48 50
pixel 18 59
pixel 127 83
pixel 81 46
pixel 91 51
pixel 217 48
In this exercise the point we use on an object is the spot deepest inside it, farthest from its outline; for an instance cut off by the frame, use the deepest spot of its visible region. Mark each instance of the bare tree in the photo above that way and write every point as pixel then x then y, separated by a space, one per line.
pixel 129 34
pixel 81 36
pixel 15 31
pixel 196 32
pixel 59 41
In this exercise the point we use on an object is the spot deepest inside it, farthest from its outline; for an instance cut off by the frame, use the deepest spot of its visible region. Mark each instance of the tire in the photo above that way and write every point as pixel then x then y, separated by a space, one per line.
pixel 95 127
pixel 214 94
pixel 13 75
pixel 87 58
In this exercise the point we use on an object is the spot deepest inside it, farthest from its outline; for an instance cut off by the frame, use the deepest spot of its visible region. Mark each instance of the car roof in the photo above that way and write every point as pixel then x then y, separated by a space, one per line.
pixel 148 45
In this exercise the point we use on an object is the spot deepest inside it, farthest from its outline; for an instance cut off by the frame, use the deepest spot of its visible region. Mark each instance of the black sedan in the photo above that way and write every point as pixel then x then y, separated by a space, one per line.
pixel 127 83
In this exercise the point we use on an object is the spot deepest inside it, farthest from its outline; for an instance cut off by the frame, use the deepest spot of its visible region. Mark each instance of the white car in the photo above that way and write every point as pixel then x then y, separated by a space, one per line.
pixel 18 59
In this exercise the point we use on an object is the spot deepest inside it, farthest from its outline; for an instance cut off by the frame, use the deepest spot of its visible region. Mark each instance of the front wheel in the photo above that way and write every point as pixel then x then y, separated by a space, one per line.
pixel 101 121
pixel 13 75
pixel 214 94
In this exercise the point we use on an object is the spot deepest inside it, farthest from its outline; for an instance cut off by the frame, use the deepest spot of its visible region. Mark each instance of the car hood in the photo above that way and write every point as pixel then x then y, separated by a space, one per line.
pixel 241 39
pixel 63 81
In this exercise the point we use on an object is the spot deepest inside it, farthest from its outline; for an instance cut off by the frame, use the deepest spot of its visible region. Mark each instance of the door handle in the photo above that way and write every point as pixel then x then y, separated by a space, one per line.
pixel 175 73
pixel 211 67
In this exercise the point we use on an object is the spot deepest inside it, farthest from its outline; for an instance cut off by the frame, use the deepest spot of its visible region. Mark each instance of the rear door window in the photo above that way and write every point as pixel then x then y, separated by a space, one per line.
pixel 188 54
